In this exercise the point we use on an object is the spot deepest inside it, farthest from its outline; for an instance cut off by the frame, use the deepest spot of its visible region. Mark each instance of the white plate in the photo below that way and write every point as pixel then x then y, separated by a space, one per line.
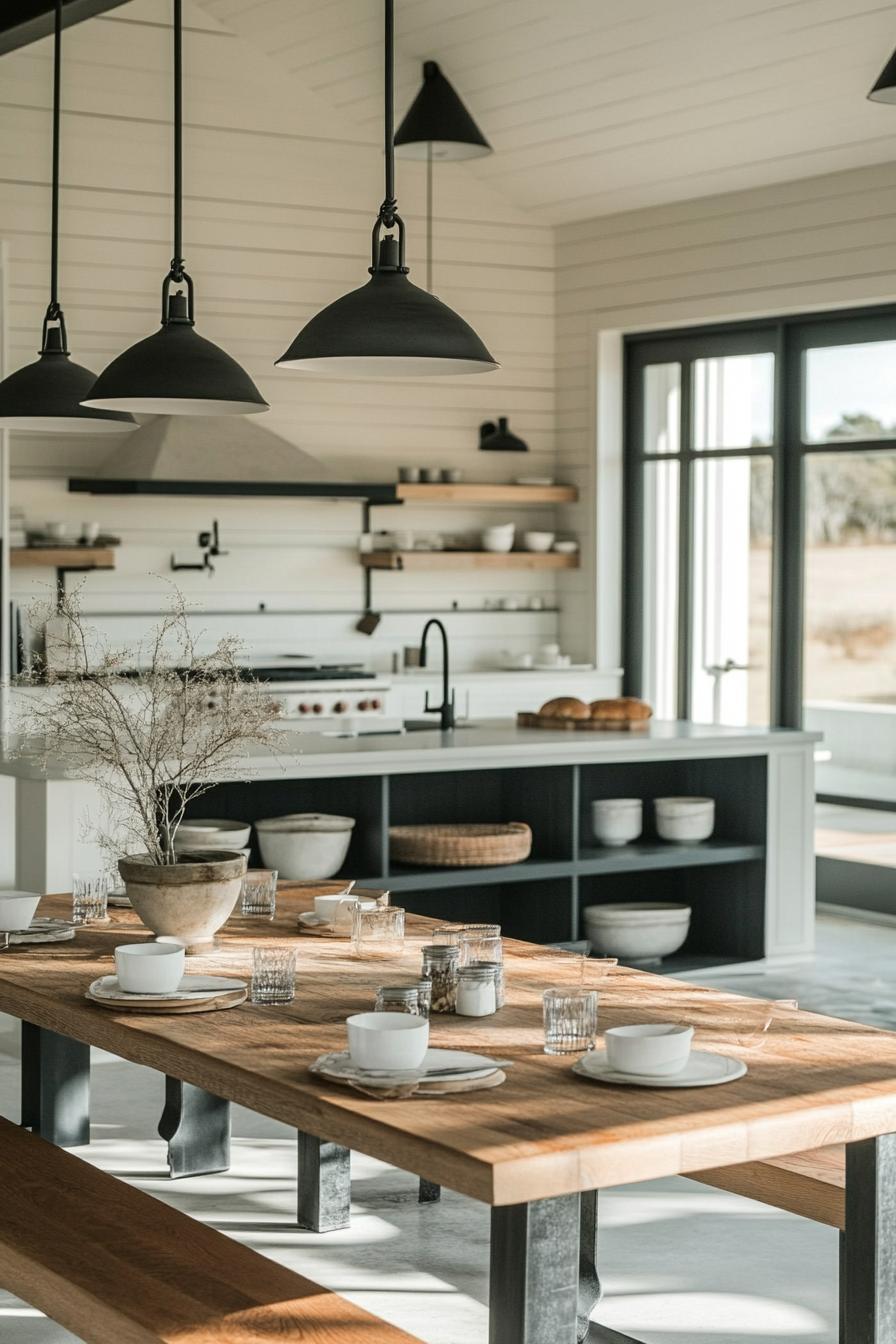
pixel 197 987
pixel 565 667
pixel 438 1066
pixel 703 1070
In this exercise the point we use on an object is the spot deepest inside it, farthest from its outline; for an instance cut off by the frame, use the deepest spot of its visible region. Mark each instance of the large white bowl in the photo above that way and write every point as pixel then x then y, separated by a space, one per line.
pixel 616 821
pixel 305 846
pixel 212 833
pixel 149 968
pixel 538 541
pixel 637 930
pixel 499 538
pixel 684 821
pixel 387 1040
pixel 653 1050
pixel 17 909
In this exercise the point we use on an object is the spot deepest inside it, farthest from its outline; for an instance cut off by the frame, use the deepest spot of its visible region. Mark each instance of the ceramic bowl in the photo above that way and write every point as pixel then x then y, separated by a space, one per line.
pixel 684 820
pixel 653 1050
pixel 616 821
pixel 17 909
pixel 149 968
pixel 305 846
pixel 387 1040
pixel 566 547
pixel 538 541
pixel 498 539
pixel 212 833
pixel 637 930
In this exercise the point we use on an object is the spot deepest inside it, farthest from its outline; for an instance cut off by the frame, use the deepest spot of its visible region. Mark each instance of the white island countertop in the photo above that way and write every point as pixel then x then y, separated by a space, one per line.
pixel 486 745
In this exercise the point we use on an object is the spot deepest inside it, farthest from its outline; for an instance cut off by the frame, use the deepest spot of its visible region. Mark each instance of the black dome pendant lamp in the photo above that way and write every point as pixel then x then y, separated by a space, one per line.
pixel 45 396
pixel 437 125
pixel 884 91
pixel 176 371
pixel 389 328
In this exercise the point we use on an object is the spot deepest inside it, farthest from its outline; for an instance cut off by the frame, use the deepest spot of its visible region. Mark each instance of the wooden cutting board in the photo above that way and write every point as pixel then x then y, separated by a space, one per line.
pixel 226 999
pixel 526 720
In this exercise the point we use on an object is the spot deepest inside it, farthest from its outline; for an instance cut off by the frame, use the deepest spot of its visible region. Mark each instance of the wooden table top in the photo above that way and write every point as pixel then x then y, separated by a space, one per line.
pixel 816 1080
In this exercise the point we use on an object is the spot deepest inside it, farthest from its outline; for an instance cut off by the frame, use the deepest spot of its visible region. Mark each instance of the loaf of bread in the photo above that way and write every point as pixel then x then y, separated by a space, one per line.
pixel 624 709
pixel 565 707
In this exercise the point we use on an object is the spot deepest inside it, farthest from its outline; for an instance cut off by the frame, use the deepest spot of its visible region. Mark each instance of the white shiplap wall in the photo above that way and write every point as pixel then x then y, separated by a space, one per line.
pixel 821 242
pixel 281 195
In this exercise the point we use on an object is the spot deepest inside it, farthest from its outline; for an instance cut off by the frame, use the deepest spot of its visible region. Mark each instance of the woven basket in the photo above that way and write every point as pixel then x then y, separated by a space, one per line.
pixel 461 846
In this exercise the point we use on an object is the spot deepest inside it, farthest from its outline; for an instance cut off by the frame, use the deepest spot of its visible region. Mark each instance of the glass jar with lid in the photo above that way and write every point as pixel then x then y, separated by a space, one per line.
pixel 477 990
pixel 440 966
pixel 397 999
pixel 497 970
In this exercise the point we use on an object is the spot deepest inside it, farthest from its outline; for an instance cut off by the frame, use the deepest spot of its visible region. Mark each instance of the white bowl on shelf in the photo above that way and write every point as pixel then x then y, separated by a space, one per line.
pixel 651 1050
pixel 387 1040
pixel 637 930
pixel 616 821
pixel 684 821
pixel 212 833
pixel 304 846
pixel 498 539
pixel 539 542
pixel 566 547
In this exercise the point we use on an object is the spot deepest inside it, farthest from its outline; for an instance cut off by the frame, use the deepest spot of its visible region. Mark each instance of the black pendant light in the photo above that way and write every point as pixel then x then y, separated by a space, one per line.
pixel 45 397
pixel 884 90
pixel 437 125
pixel 176 371
pixel 389 328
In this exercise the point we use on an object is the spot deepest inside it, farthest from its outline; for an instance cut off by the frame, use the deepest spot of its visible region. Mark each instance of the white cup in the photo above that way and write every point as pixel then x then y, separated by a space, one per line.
pixel 653 1050
pixel 387 1040
pixel 616 821
pixel 17 909
pixel 149 968
pixel 327 907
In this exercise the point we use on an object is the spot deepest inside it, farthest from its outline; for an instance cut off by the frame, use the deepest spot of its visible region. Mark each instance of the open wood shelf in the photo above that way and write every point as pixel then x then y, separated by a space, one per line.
pixel 424 560
pixel 474 493
pixel 62 557
pixel 656 854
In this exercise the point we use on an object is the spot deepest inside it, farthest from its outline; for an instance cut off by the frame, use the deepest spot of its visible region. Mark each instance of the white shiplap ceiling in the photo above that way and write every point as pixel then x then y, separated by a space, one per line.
pixel 598 106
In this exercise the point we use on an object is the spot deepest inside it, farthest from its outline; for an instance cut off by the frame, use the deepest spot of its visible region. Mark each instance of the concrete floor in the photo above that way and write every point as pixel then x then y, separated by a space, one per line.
pixel 681 1264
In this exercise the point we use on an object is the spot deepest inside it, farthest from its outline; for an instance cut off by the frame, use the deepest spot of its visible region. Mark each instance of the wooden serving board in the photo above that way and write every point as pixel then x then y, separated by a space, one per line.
pixel 526 720
pixel 229 999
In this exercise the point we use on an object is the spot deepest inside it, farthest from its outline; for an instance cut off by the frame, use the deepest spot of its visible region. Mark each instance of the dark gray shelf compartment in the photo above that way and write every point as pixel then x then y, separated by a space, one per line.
pixel 651 856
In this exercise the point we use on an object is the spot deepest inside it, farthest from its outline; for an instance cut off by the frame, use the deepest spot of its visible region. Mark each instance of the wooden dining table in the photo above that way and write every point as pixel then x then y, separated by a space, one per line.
pixel 535 1149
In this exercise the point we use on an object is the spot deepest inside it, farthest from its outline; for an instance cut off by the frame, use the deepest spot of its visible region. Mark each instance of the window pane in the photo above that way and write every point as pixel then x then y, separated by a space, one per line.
pixel 732 589
pixel 850 584
pixel 850 392
pixel 734 401
pixel 659 632
pixel 662 408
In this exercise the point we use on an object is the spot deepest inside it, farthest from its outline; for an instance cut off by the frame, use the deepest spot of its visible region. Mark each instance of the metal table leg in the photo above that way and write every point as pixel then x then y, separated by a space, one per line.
pixel 55 1086
pixel 590 1291
pixel 428 1192
pixel 196 1127
pixel 868 1245
pixel 535 1272
pixel 324 1187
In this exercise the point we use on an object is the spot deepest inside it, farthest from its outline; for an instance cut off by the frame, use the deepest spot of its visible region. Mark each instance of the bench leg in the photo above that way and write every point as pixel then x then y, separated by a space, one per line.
pixel 590 1291
pixel 868 1245
pixel 324 1186
pixel 196 1127
pixel 534 1280
pixel 55 1086
pixel 428 1192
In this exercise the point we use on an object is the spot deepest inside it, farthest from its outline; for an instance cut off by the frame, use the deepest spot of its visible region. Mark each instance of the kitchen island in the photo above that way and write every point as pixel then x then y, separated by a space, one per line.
pixel 751 886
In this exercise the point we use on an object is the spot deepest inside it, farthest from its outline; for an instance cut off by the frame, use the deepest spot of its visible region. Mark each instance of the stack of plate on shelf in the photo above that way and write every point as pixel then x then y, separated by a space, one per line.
pixel 442 1071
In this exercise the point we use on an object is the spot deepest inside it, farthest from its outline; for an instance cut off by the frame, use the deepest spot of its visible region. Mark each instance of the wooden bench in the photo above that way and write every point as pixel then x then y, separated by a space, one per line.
pixel 116 1266
pixel 811 1184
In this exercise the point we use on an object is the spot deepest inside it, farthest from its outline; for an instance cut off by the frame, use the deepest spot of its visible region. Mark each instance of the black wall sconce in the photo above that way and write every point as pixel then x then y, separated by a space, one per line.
pixel 497 438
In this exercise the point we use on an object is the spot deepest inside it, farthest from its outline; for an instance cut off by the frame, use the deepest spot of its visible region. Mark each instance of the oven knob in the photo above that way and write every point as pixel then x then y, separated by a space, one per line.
pixel 304 708
pixel 363 704
pixel 340 707
pixel 317 709
pixel 376 704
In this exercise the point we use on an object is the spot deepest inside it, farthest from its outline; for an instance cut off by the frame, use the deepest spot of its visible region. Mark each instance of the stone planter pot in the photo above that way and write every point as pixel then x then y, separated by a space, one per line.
pixel 188 900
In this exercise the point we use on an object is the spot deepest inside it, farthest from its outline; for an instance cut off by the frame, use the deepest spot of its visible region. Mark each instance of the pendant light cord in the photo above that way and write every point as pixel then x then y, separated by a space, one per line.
pixel 53 309
pixel 177 261
pixel 388 207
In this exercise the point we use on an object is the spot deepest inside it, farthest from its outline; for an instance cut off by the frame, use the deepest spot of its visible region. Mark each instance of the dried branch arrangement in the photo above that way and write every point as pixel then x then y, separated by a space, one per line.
pixel 153 726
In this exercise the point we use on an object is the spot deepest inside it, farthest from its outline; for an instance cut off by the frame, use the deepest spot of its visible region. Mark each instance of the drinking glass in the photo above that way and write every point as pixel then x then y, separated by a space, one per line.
pixel 273 974
pixel 480 942
pixel 570 1021
pixel 258 894
pixel 90 894
pixel 447 934
pixel 757 1019
pixel 378 933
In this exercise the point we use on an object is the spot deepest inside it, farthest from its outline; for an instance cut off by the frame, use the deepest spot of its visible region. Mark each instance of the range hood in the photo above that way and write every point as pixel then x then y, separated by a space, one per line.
pixel 218 455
